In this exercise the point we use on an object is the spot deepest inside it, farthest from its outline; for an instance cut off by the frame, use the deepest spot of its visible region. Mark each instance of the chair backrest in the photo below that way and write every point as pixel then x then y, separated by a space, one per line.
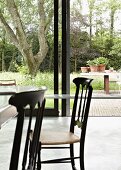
pixel 20 101
pixel 81 104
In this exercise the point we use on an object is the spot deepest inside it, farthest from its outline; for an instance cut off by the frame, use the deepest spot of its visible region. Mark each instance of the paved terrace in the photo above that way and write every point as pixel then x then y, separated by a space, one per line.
pixel 106 105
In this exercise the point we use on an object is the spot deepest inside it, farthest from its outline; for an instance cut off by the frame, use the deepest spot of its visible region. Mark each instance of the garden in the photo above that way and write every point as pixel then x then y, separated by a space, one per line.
pixel 46 79
pixel 95 36
pixel 29 58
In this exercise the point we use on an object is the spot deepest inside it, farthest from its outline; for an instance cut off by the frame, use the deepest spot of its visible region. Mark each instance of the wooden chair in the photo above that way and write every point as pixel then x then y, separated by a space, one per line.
pixel 7 87
pixel 8 82
pixel 20 101
pixel 57 138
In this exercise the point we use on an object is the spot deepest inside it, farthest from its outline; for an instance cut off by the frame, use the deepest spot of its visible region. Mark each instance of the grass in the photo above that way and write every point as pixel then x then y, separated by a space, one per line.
pixel 47 79
pixel 42 79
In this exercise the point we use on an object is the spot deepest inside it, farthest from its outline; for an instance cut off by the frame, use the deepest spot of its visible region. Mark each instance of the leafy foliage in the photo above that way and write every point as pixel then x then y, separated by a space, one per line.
pixel 115 54
pixel 92 34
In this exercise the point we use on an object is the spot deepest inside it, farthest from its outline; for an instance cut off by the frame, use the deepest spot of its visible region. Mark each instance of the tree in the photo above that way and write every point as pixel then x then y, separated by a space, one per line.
pixel 101 42
pixel 3 43
pixel 113 6
pixel 17 29
pixel 78 38
pixel 115 53
pixel 91 4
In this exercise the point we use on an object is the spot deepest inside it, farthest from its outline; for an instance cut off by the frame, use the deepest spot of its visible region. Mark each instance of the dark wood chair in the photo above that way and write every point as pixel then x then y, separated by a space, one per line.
pixel 36 102
pixel 55 139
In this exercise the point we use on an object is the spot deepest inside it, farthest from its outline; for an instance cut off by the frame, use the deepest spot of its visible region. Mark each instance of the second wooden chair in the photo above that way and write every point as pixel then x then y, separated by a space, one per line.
pixel 20 101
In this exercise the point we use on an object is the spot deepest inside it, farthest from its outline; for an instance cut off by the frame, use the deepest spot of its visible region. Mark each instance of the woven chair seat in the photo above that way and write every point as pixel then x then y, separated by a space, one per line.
pixel 55 138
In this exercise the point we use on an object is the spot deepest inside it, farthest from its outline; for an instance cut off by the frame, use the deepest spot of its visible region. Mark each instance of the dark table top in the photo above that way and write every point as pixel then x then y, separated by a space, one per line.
pixel 7 91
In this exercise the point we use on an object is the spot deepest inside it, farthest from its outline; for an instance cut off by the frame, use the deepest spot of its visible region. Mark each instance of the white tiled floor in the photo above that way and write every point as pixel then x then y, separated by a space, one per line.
pixel 102 146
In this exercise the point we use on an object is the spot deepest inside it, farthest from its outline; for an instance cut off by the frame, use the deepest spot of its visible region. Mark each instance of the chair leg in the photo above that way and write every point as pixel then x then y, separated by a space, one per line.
pixel 39 158
pixel 82 157
pixel 72 156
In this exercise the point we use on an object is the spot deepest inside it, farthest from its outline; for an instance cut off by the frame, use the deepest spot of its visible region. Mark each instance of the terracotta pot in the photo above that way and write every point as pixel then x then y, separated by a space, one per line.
pixel 84 69
pixel 101 67
pixel 93 68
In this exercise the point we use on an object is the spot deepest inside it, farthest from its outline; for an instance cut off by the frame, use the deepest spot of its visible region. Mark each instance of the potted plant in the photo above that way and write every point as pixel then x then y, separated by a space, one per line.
pixel 102 62
pixel 84 69
pixel 93 65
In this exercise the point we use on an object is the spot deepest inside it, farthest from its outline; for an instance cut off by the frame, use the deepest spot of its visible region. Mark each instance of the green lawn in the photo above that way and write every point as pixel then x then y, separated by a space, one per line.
pixel 46 79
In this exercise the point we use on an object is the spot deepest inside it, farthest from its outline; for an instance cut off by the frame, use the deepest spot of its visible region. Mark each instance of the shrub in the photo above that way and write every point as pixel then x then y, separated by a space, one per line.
pixel 102 60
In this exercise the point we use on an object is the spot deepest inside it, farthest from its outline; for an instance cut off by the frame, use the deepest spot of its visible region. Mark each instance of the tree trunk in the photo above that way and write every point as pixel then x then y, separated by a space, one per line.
pixel 112 22
pixel 3 61
pixel 91 8
pixel 3 52
pixel 20 39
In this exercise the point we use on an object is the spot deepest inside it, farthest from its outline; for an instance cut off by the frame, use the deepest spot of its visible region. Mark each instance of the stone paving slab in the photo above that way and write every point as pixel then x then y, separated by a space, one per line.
pixel 105 107
pixel 105 104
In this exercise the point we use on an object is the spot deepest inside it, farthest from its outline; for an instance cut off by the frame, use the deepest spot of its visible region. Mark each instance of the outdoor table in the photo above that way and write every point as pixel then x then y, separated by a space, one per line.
pixel 106 76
